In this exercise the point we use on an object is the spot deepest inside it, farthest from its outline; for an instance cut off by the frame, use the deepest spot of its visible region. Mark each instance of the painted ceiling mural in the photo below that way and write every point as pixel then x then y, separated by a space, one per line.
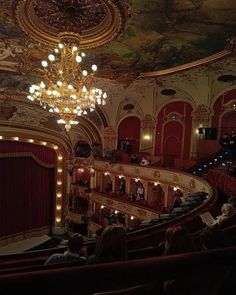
pixel 166 33
pixel 155 35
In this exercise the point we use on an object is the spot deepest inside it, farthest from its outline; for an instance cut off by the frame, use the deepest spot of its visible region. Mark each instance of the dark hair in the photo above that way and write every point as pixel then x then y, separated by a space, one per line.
pixel 212 237
pixel 111 245
pixel 178 240
pixel 75 243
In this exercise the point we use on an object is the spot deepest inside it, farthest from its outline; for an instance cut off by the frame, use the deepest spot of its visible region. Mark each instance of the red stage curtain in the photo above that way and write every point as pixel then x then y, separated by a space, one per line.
pixel 26 192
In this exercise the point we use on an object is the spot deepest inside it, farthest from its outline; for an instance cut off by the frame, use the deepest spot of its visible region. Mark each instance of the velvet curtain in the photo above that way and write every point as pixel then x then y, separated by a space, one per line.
pixel 26 190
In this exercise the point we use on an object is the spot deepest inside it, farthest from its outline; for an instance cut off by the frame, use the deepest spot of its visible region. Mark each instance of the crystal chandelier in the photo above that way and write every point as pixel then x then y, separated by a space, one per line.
pixel 67 88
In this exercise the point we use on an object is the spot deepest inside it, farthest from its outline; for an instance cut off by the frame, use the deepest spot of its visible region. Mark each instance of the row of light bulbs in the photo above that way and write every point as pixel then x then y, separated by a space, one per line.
pixel 59 169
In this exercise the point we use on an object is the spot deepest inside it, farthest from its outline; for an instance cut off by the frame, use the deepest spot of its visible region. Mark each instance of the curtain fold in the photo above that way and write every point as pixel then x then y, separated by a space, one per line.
pixel 26 193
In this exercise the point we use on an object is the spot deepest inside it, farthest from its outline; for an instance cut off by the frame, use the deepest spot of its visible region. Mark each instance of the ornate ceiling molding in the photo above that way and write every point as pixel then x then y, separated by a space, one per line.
pixel 98 22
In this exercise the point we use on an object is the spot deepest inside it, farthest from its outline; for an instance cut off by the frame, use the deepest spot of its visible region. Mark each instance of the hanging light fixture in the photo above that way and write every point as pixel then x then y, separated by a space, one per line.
pixel 67 88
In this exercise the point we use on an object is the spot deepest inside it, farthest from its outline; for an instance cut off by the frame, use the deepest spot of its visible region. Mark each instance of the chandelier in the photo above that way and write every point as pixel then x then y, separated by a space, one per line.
pixel 67 88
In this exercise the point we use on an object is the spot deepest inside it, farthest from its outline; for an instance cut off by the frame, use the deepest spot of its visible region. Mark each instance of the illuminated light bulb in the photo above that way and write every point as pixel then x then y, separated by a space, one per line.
pixel 51 57
pixel 55 147
pixel 94 68
pixel 58 207
pixel 59 83
pixel 132 217
pixel 60 158
pixel 16 138
pixel 85 73
pixel 44 63
pixel 83 54
pixel 59 170
pixel 1 137
pixel 74 48
pixel 58 219
pixel 60 45
pixel 102 207
pixel 59 183
pixel 59 195
pixel 44 143
pixel 78 58
pixel 31 140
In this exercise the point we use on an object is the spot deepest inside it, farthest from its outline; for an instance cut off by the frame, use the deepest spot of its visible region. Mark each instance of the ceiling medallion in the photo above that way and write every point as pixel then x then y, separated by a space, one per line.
pixel 97 21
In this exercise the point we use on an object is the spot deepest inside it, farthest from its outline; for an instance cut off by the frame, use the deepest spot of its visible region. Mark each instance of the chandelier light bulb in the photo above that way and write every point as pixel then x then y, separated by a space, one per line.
pixel 44 63
pixel 67 88
pixel 78 58
pixel 85 73
pixel 94 68
pixel 74 48
pixel 51 57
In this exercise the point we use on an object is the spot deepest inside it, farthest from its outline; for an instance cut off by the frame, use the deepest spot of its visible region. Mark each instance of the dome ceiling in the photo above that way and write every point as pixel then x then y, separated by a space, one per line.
pixel 129 36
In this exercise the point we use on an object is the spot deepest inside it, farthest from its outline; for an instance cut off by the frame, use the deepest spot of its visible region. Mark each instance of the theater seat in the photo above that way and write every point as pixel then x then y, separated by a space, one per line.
pixel 150 289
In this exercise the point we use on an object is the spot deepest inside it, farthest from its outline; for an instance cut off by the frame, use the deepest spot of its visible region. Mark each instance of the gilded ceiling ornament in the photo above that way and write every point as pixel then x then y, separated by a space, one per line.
pixel 173 116
pixel 202 115
pixel 97 21
pixel 148 122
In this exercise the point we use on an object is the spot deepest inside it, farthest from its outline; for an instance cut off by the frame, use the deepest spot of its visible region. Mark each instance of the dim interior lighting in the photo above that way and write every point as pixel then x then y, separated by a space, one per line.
pixel 132 217
pixel 215 160
pixel 58 207
pixel 60 158
pixel 44 143
pixel 16 138
pixel 205 166
pixel 106 173
pixel 1 137
pixel 147 137
pixel 120 176
pixel 59 170
pixel 59 182
pixel 136 180
pixel 116 211
pixel 31 140
pixel 210 163
pixel 155 183
pixel 91 170
pixel 58 219
pixel 55 147
pixel 102 207
pixel 59 195
pixel 175 188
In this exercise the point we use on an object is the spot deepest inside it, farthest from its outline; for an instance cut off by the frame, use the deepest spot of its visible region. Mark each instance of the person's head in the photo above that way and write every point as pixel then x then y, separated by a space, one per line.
pixel 178 240
pixel 112 245
pixel 75 243
pixel 212 237
pixel 232 202
pixel 227 209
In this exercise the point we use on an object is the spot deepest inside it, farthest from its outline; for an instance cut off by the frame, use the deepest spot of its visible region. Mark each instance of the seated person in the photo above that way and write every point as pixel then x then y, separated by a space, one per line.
pixel 140 193
pixel 134 159
pixel 144 162
pixel 227 211
pixel 111 245
pixel 73 253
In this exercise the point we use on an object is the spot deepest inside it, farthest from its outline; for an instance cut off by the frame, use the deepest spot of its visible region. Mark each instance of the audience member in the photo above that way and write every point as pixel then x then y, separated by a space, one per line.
pixel 134 159
pixel 212 237
pixel 226 212
pixel 122 187
pixel 73 253
pixel 232 202
pixel 140 192
pixel 111 245
pixel 178 240
pixel 144 162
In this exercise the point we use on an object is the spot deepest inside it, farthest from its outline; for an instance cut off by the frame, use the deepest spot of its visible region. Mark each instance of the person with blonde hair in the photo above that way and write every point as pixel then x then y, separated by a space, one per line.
pixel 226 212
